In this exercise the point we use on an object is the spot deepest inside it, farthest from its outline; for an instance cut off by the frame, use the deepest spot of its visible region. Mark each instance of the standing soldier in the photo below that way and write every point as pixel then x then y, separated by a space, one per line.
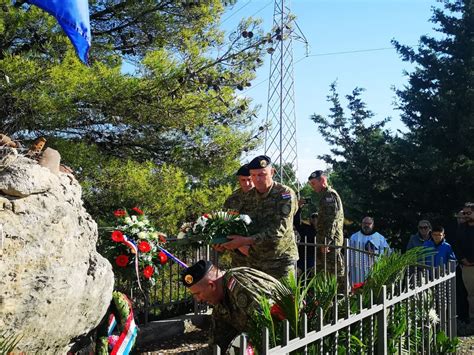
pixel 235 201
pixel 329 227
pixel 271 206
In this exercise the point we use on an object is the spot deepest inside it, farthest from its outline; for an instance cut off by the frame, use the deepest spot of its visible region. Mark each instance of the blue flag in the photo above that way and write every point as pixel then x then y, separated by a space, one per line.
pixel 73 16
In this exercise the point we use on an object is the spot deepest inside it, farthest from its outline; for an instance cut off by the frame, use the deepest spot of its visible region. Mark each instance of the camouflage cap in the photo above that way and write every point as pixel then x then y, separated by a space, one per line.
pixel 316 174
pixel 260 162
pixel 243 171
pixel 195 273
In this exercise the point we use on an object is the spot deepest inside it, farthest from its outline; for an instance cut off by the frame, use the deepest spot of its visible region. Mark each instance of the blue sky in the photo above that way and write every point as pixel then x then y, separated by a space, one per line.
pixel 333 26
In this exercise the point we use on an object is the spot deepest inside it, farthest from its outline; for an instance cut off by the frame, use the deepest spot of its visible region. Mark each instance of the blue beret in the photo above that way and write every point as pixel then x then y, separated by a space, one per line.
pixel 243 171
pixel 260 162
pixel 195 273
pixel 316 174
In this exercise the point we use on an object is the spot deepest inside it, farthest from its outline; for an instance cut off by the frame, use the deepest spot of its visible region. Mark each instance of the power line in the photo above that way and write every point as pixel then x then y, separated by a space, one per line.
pixel 326 54
pixel 236 11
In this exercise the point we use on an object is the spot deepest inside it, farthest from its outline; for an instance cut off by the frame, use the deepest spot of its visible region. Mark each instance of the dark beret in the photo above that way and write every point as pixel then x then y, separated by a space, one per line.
pixel 260 162
pixel 316 174
pixel 195 273
pixel 243 171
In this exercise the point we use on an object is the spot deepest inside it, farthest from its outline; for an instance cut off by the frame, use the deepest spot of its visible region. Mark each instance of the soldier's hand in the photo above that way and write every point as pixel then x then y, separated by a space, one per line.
pixel 324 250
pixel 218 247
pixel 237 241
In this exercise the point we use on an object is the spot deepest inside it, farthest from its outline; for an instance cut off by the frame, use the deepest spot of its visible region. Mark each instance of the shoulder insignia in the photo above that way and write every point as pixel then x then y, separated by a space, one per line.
pixel 242 300
pixel 329 199
pixel 231 283
pixel 285 195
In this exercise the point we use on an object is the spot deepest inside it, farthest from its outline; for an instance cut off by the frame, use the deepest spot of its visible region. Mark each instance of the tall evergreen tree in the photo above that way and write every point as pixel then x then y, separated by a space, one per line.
pixel 437 107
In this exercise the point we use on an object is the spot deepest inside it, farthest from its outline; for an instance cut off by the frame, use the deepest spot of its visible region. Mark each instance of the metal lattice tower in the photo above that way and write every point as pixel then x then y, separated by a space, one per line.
pixel 280 134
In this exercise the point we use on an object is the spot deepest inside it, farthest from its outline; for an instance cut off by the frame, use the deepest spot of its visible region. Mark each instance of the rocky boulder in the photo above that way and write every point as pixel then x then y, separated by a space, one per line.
pixel 54 286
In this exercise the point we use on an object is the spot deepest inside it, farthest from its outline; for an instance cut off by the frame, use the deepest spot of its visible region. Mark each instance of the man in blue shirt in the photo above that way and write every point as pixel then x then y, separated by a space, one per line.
pixel 370 244
pixel 443 249
pixel 423 234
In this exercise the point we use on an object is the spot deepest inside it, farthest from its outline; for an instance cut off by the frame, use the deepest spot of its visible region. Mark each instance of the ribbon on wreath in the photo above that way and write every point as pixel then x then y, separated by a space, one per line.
pixel 122 345
pixel 131 244
pixel 169 255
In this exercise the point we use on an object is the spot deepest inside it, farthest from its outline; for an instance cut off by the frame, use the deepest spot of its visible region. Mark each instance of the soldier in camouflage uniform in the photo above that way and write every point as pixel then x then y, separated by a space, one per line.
pixel 271 206
pixel 329 228
pixel 234 295
pixel 234 202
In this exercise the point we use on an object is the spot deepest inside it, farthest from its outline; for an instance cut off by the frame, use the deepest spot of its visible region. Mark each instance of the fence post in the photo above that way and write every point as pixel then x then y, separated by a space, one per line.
pixel 216 350
pixel 452 310
pixel 382 324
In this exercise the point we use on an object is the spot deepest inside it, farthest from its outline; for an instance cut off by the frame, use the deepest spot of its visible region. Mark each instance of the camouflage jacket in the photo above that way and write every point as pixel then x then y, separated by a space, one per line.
pixel 235 201
pixel 330 218
pixel 243 287
pixel 272 226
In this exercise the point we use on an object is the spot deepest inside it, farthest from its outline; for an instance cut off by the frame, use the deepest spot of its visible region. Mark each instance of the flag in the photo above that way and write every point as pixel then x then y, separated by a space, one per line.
pixel 73 17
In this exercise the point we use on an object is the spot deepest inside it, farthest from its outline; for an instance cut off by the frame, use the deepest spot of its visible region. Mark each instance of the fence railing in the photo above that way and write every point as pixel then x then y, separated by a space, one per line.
pixel 405 317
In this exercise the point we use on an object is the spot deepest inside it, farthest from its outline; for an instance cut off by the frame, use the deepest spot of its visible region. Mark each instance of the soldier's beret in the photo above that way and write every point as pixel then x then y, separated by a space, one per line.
pixel 195 273
pixel 260 162
pixel 316 174
pixel 243 171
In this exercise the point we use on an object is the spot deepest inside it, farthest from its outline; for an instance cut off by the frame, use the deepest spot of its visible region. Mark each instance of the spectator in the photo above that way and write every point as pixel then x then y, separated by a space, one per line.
pixel 307 233
pixel 372 243
pixel 465 250
pixel 443 249
pixel 423 234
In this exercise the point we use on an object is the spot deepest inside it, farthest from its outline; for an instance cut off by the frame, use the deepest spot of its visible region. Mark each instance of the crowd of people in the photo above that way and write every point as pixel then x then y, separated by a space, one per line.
pixel 271 252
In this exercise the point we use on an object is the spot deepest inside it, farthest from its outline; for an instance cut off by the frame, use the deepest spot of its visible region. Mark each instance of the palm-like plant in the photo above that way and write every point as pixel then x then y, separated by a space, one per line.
pixel 8 342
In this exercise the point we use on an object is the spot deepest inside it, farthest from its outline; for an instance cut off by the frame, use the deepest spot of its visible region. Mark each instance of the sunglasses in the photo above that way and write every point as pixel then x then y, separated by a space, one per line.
pixel 466 213
pixel 423 227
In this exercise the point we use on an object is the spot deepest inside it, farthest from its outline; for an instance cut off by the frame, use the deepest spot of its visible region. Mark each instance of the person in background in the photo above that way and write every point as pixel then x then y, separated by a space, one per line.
pixel 236 200
pixel 423 234
pixel 307 233
pixel 329 228
pixel 444 252
pixel 465 252
pixel 371 244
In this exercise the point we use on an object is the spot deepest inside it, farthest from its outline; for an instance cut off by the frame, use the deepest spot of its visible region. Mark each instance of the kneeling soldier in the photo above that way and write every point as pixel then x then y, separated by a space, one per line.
pixel 234 295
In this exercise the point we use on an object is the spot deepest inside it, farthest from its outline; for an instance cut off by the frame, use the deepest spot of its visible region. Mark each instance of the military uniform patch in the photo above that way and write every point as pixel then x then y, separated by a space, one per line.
pixel 231 283
pixel 285 210
pixel 263 163
pixel 285 195
pixel 330 199
pixel 242 300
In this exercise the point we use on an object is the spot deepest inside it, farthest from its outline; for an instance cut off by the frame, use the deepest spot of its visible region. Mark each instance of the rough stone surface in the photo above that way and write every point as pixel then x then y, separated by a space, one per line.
pixel 54 286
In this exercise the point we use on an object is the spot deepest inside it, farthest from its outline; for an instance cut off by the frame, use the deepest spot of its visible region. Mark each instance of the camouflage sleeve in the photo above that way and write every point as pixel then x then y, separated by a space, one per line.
pixel 222 333
pixel 329 208
pixel 233 201
pixel 280 220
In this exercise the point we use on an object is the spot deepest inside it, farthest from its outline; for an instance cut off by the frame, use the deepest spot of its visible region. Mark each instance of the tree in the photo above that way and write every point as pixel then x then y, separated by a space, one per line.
pixel 361 158
pixel 176 106
pixel 437 107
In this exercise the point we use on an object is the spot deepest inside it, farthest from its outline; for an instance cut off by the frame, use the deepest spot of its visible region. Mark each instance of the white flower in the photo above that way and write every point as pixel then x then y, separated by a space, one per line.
pixel 128 220
pixel 181 235
pixel 433 316
pixel 141 224
pixel 201 221
pixel 142 235
pixel 245 218
pixel 134 219
pixel 135 230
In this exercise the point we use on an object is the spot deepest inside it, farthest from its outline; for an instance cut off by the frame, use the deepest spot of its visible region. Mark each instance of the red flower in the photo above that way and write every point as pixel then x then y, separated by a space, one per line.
pixel 277 312
pixel 162 238
pixel 148 271
pixel 137 210
pixel 120 213
pixel 121 260
pixel 162 257
pixel 144 246
pixel 356 286
pixel 233 213
pixel 117 236
pixel 206 215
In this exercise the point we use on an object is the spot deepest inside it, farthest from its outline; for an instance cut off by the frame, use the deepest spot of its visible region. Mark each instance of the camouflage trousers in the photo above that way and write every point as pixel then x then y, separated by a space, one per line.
pixel 333 264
